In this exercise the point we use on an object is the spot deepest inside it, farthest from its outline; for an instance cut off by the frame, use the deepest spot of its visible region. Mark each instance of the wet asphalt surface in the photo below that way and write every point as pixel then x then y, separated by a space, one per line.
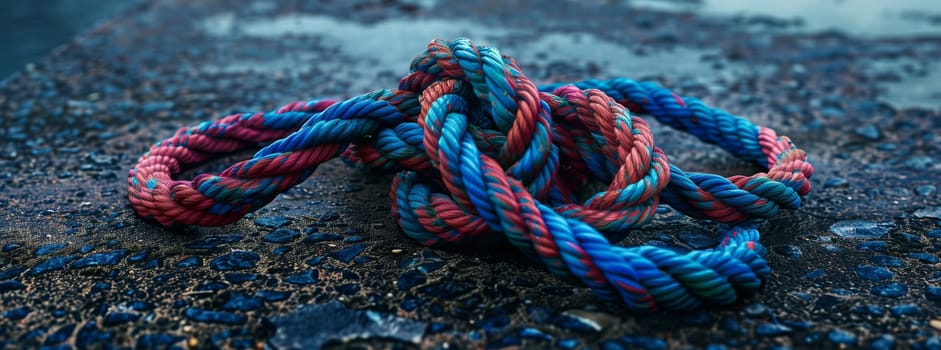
pixel 856 266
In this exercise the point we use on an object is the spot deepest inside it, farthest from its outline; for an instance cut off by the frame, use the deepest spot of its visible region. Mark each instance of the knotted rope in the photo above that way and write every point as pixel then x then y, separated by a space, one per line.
pixel 486 157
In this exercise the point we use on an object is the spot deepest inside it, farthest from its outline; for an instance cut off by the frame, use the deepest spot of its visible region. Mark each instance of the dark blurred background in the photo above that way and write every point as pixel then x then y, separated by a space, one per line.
pixel 29 29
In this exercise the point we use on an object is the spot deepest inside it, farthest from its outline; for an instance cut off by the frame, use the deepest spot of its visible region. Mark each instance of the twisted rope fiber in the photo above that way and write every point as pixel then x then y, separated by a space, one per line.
pixel 484 156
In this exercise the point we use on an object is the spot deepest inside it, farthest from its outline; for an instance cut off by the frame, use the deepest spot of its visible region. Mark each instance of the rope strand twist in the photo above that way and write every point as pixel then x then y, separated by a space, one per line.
pixel 485 157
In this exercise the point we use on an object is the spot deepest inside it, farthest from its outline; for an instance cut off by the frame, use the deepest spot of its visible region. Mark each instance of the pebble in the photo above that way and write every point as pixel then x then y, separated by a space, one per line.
pixel 209 316
pixel 409 279
pixel 273 295
pixel 869 132
pixel 883 342
pixel 15 314
pixel 51 264
pixel 533 333
pixel 905 310
pixel 348 289
pixel 60 335
pixel 9 247
pixel 192 261
pixel 919 162
pixel 841 337
pixel 924 257
pixel 634 342
pixel 933 212
pixel 11 285
pixel 755 310
pixel 281 235
pixel 322 237
pixel 935 323
pixel 835 182
pixel 116 318
pixel 236 260
pixel 873 246
pixel 886 261
pixel 789 251
pixel 494 323
pixel 272 221
pixel 347 254
pixel 933 293
pixel 925 190
pixel 772 330
pixel 100 259
pixel 241 302
pixel 157 341
pixel 49 248
pixel 861 229
pixel 874 273
pixel 304 277
pixel 890 290
pixel 870 309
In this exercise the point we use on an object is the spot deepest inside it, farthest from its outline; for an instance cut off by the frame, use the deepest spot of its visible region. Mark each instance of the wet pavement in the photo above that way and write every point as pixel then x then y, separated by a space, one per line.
pixel 856 266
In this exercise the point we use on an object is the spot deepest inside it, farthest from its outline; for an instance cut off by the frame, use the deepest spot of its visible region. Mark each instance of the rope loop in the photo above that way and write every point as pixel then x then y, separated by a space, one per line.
pixel 485 157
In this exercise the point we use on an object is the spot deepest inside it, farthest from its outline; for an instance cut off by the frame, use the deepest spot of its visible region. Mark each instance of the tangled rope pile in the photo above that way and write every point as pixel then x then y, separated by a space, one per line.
pixel 486 157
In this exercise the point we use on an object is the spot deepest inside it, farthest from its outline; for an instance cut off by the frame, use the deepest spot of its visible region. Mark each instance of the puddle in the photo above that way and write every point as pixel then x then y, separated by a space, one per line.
pixel 390 46
pixel 866 18
pixel 917 84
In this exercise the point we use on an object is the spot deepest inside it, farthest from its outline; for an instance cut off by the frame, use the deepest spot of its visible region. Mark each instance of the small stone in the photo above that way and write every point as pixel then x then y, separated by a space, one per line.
pixel 51 264
pixel 582 321
pixel 347 254
pixel 890 290
pixel 905 310
pixel 861 229
pixel 886 261
pixel 869 132
pixel 322 237
pixel 874 273
pixel 789 251
pixel 236 260
pixel 272 221
pixel 924 257
pixel 925 190
pixel 409 279
pixel 920 162
pixel 835 182
pixel 304 277
pixel 281 235
pixel 772 330
pixel 814 274
pixel 929 212
pixel 874 246
pixel 933 293
pixel 192 261
pixel 841 337
pixel 935 323
pixel 117 318
pixel 100 259
pixel 209 316
pixel 49 248
pixel 10 285
pixel 396 251
pixel 756 310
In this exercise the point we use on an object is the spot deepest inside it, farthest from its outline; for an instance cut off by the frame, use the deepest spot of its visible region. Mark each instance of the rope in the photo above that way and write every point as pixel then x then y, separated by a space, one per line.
pixel 486 157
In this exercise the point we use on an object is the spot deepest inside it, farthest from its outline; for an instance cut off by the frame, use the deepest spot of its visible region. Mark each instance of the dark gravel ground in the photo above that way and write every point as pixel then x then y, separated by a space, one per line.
pixel 856 266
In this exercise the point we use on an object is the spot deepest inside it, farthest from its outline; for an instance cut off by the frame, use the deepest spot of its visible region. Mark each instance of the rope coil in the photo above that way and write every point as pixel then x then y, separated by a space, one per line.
pixel 485 156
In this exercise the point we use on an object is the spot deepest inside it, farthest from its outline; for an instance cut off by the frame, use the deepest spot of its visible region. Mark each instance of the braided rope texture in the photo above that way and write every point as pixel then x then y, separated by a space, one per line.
pixel 486 157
